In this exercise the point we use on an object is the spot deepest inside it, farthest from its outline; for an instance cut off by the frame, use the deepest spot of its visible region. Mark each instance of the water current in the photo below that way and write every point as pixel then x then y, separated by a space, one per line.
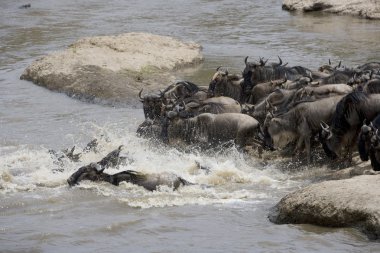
pixel 40 213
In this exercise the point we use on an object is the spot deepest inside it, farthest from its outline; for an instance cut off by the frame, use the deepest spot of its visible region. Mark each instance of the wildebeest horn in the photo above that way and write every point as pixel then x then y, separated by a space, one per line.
pixel 280 63
pixel 371 74
pixel 217 69
pixel 329 62
pixel 340 62
pixel 324 126
pixel 246 60
pixel 141 99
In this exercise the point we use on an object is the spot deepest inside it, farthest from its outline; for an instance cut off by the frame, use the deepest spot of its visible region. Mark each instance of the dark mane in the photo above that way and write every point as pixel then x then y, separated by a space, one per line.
pixel 233 77
pixel 345 109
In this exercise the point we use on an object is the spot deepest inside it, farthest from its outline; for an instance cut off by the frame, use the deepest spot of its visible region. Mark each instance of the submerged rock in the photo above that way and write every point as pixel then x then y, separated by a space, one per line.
pixel 113 69
pixel 353 202
pixel 364 8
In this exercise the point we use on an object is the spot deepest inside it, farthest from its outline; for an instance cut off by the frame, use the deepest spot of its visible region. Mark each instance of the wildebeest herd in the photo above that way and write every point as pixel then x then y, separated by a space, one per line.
pixel 270 106
pixel 273 106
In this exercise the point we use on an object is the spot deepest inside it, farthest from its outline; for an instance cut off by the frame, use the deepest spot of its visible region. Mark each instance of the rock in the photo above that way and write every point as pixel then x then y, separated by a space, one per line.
pixel 353 202
pixel 113 69
pixel 364 8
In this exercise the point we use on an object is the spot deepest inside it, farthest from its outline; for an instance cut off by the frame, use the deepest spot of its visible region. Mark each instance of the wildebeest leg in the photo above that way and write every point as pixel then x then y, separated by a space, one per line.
pixel 308 151
pixel 182 182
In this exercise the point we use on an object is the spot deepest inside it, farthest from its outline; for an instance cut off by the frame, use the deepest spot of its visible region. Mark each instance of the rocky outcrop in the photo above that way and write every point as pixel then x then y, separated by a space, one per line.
pixel 353 202
pixel 113 69
pixel 364 8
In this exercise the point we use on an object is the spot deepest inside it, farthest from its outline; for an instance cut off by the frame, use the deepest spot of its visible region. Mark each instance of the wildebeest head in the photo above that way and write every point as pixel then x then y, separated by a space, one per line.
pixel 218 82
pixel 325 135
pixel 364 140
pixel 91 172
pixel 152 105
pixel 250 67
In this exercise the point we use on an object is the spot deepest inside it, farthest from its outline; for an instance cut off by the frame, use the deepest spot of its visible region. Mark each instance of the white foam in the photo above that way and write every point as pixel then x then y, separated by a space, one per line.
pixel 233 177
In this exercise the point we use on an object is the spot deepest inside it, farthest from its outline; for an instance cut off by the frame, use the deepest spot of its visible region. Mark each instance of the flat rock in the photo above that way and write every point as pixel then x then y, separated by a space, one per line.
pixel 113 69
pixel 363 8
pixel 353 202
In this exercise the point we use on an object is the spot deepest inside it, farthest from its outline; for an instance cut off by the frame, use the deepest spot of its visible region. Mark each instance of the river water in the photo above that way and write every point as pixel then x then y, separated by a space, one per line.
pixel 40 213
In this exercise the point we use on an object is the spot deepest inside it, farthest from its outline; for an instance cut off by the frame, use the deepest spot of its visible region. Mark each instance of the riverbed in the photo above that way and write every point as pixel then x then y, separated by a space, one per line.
pixel 40 213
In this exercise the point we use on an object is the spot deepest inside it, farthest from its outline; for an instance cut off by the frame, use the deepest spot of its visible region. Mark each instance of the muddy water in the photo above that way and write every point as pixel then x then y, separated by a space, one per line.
pixel 39 213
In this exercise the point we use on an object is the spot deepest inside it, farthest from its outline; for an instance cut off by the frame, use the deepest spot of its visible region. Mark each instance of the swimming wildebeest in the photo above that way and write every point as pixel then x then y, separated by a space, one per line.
pixel 95 172
pixel 149 181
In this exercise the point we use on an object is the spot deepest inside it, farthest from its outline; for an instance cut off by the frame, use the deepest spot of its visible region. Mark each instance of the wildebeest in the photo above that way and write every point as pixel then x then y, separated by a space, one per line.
pixel 329 69
pixel 298 83
pixel 367 132
pixel 262 90
pixel 95 172
pixel 150 129
pixel 277 101
pixel 152 104
pixel 338 76
pixel 184 89
pixel 318 92
pixel 300 123
pixel 350 112
pixel 216 105
pixel 223 84
pixel 372 86
pixel 374 152
pixel 148 181
pixel 369 66
pixel 255 73
pixel 209 129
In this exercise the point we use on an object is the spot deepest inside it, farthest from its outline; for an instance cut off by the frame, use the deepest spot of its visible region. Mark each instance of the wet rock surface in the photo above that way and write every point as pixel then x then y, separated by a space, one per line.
pixel 353 202
pixel 363 8
pixel 113 69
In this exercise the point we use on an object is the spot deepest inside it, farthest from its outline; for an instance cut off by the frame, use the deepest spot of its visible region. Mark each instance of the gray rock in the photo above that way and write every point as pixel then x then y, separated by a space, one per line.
pixel 363 8
pixel 353 202
pixel 112 69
